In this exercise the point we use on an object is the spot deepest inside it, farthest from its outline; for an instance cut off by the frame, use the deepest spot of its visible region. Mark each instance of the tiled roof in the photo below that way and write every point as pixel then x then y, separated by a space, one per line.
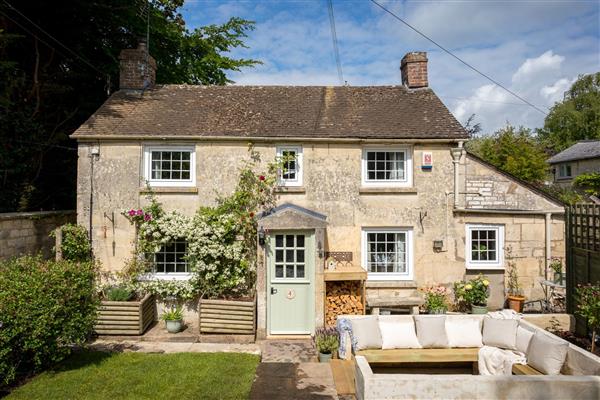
pixel 579 151
pixel 390 112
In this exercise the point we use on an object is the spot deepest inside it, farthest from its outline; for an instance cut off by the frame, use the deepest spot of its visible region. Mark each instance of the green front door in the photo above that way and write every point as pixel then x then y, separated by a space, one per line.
pixel 290 277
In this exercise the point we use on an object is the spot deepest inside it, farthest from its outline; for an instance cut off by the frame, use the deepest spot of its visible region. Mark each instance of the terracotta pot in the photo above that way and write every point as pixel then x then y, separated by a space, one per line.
pixel 515 302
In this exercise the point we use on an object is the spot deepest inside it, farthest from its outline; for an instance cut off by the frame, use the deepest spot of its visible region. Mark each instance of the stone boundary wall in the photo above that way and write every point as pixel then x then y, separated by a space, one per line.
pixel 28 232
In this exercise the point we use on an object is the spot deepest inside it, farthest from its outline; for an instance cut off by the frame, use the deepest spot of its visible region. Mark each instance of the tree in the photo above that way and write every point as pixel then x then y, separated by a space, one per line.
pixel 47 90
pixel 514 150
pixel 575 118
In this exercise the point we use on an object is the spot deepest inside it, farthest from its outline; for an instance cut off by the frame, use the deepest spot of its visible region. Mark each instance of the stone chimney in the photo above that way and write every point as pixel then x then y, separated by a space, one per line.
pixel 414 70
pixel 137 68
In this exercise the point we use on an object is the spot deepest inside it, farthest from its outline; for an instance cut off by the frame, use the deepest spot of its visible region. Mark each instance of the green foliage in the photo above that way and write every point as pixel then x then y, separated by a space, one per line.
pixel 75 243
pixel 590 182
pixel 327 340
pixel 45 307
pixel 473 292
pixel 513 286
pixel 118 293
pixel 577 117
pixel 436 298
pixel 514 150
pixel 567 195
pixel 174 314
pixel 46 92
pixel 89 375
pixel 588 307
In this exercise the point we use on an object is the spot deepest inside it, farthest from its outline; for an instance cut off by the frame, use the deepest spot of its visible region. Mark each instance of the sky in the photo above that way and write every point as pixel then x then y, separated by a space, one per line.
pixel 535 48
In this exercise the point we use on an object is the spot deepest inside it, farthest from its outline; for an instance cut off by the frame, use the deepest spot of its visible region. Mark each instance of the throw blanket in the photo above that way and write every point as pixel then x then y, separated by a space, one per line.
pixel 505 314
pixel 347 341
pixel 495 361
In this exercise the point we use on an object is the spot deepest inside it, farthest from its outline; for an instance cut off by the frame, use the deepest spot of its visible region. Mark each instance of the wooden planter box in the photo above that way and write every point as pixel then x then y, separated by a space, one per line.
pixel 225 316
pixel 126 317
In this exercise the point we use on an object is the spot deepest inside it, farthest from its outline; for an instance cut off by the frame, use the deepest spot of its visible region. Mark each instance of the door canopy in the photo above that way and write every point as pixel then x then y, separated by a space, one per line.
pixel 291 216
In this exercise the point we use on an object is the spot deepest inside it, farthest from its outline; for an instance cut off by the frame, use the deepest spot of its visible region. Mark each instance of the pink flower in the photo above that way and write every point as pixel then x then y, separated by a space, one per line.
pixel 140 212
pixel 147 217
pixel 131 213
pixel 261 178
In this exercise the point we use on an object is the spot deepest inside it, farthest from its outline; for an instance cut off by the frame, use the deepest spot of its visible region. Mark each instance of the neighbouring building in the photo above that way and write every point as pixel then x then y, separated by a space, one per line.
pixel 380 174
pixel 580 158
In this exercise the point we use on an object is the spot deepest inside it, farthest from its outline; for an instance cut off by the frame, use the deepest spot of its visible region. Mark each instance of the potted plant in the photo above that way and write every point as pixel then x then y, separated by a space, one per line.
pixel 588 307
pixel 436 299
pixel 514 292
pixel 557 267
pixel 173 319
pixel 327 342
pixel 473 293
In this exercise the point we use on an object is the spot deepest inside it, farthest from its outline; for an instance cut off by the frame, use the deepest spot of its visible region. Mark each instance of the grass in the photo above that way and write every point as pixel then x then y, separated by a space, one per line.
pixel 111 376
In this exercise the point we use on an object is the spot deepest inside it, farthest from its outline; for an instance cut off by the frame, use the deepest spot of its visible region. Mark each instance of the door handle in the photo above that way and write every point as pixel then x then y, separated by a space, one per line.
pixel 273 290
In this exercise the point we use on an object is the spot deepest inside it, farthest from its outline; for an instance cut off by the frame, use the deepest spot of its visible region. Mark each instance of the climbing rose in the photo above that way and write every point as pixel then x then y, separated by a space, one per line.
pixel 262 177
pixel 251 214
pixel 131 212
pixel 140 212
pixel 147 217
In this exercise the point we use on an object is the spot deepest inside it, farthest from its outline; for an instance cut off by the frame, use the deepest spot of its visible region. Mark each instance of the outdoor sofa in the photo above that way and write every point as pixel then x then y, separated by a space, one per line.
pixel 552 368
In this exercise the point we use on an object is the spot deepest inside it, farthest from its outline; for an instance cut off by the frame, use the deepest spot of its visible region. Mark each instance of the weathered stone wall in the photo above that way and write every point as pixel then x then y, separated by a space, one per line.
pixel 27 232
pixel 332 186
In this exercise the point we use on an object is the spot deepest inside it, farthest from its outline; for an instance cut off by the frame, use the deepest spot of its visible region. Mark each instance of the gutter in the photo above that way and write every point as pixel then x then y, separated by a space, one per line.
pixel 246 139
pixel 503 211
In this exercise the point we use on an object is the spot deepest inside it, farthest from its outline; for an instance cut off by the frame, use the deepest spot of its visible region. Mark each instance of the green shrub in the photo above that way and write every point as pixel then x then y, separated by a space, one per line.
pixel 118 293
pixel 75 243
pixel 45 307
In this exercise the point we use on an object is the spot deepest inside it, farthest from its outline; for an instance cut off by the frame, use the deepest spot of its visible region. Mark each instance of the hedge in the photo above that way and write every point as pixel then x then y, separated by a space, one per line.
pixel 46 307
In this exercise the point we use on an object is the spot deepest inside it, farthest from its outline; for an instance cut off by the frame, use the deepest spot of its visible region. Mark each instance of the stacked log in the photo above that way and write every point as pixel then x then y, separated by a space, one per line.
pixel 342 297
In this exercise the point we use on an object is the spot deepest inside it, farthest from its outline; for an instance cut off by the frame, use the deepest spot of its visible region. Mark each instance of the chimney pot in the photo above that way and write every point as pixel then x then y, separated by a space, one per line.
pixel 413 69
pixel 137 68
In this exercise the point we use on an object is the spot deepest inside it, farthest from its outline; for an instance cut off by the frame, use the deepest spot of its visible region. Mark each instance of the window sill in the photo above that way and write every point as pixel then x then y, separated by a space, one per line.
pixel 167 189
pixel 392 284
pixel 474 267
pixel 387 190
pixel 290 189
pixel 165 277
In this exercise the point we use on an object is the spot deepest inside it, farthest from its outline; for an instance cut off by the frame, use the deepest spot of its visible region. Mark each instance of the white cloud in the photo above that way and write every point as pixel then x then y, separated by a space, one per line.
pixel 534 66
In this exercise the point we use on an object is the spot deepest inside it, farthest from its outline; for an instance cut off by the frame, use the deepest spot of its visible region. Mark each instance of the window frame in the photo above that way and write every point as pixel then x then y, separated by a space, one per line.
pixel 295 248
pixel 298 182
pixel 388 276
pixel 149 149
pixel 408 167
pixel 487 265
pixel 170 275
pixel 565 166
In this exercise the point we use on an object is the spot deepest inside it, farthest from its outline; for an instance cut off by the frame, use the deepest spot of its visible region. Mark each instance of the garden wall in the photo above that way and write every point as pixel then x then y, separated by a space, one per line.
pixel 27 232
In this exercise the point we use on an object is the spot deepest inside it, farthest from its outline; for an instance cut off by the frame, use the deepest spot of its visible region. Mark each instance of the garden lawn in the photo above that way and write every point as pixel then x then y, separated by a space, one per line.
pixel 111 376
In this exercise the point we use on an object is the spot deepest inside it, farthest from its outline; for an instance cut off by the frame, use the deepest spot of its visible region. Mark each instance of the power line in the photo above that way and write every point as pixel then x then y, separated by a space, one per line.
pixel 336 50
pixel 10 6
pixel 458 58
pixel 484 101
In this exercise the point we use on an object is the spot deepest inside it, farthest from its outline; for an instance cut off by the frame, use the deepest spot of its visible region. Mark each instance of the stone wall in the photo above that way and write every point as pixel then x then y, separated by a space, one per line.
pixel 28 232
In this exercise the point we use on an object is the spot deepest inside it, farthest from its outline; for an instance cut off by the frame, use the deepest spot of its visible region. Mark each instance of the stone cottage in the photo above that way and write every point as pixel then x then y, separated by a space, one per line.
pixel 580 158
pixel 380 175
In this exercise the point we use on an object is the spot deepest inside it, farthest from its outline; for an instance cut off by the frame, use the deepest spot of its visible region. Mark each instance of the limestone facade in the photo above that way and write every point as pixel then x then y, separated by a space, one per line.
pixel 332 186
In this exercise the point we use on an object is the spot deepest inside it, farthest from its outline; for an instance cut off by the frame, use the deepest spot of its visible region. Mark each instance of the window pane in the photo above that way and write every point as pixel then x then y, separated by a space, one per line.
pixel 299 255
pixel 380 156
pixel 155 155
pixel 165 155
pixel 492 255
pixel 475 255
pixel 289 240
pixel 491 234
pixel 279 255
pixel 165 175
pixel 175 175
pixel 289 256
pixel 300 271
pixel 279 240
pixel 185 175
pixel 371 156
pixel 185 156
pixel 170 267
pixel 289 271
pixel 278 271
pixel 300 241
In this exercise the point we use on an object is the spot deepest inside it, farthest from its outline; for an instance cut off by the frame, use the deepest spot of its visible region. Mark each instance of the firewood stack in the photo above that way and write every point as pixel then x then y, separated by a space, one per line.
pixel 342 297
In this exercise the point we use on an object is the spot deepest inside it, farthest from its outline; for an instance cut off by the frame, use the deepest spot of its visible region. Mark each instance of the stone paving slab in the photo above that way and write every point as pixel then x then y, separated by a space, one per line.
pixel 293 381
pixel 174 347
pixel 288 351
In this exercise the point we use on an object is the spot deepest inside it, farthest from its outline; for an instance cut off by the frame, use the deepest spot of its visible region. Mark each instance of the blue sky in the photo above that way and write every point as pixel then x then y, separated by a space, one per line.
pixel 536 48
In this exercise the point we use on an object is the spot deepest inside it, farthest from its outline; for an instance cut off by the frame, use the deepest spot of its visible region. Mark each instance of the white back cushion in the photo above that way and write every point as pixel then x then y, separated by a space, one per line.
pixel 464 332
pixel 398 332
pixel 523 338
pixel 546 353
pixel 500 333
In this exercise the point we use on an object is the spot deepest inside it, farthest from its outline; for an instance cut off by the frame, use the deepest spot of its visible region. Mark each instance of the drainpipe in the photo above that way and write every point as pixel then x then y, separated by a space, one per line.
pixel 94 153
pixel 456 155
pixel 548 223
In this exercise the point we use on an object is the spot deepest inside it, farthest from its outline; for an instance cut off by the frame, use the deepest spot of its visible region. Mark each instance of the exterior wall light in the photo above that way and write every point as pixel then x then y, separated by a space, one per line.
pixel 438 245
pixel 261 236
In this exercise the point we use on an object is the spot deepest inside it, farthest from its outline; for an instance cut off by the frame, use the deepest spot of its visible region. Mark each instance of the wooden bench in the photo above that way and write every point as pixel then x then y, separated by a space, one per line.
pixel 412 303
pixel 400 356
pixel 520 369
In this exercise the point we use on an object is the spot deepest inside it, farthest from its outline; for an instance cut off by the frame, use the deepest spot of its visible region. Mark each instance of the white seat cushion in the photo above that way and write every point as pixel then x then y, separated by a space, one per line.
pixel 366 333
pixel 547 354
pixel 398 333
pixel 500 333
pixel 464 332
